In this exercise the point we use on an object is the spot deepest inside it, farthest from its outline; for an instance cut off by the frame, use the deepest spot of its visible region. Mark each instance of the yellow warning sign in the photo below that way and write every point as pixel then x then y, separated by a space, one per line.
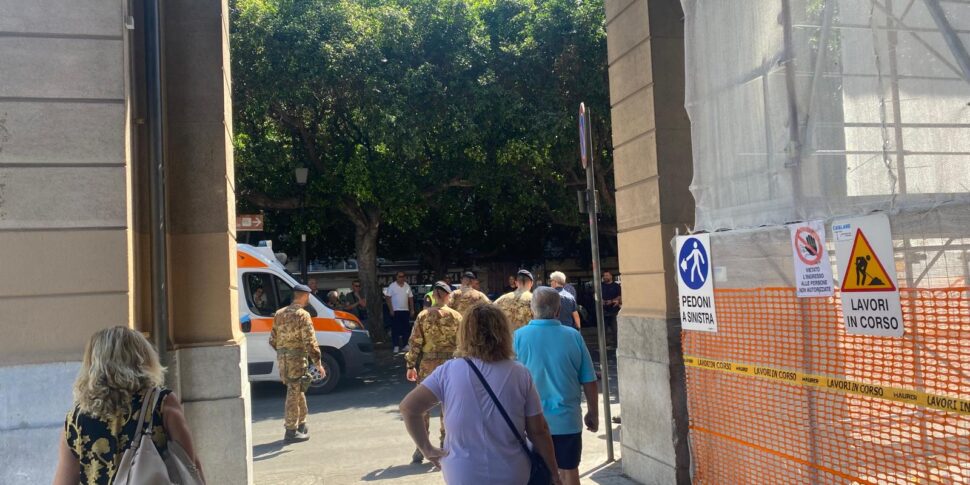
pixel 864 271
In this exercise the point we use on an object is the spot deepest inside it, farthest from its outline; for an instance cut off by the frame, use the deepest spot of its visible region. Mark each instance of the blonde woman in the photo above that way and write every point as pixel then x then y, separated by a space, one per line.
pixel 119 368
pixel 479 446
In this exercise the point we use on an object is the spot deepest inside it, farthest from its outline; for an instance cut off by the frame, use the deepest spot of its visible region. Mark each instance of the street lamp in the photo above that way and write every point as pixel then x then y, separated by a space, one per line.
pixel 301 177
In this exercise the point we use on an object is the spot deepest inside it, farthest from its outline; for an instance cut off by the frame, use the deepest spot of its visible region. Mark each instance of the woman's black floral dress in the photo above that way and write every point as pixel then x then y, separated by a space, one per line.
pixel 98 443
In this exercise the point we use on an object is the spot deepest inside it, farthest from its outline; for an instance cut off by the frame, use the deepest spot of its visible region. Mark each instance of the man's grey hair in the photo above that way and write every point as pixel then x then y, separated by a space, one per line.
pixel 545 303
pixel 558 277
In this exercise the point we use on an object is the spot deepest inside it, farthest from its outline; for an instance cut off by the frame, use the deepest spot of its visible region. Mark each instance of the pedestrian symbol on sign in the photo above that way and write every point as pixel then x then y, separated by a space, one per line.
pixel 694 264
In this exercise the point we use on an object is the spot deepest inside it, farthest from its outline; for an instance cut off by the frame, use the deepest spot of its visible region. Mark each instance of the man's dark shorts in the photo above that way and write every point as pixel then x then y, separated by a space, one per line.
pixel 569 449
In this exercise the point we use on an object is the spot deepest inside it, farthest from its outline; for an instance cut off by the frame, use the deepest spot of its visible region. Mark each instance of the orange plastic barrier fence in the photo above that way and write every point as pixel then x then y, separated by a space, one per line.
pixel 782 395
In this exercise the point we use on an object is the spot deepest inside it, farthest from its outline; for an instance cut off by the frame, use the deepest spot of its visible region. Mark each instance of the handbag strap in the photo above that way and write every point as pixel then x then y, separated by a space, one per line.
pixel 151 411
pixel 498 405
pixel 152 396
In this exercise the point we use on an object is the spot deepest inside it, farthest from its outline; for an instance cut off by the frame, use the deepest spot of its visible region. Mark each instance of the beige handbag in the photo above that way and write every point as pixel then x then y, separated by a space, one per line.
pixel 142 464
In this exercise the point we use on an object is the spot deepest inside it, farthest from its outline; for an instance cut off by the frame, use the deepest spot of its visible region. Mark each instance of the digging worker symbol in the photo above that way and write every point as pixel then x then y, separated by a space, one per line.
pixel 861 263
pixel 862 273
pixel 295 342
pixel 433 342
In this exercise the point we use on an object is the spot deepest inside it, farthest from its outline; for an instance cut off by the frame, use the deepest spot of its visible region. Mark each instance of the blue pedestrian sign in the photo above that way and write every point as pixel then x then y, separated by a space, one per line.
pixel 695 283
pixel 694 264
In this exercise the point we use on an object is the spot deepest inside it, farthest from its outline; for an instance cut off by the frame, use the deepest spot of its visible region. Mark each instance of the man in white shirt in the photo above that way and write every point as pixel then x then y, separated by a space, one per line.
pixel 400 302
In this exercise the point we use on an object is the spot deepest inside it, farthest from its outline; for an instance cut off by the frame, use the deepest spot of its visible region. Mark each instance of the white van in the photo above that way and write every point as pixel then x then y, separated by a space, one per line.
pixel 264 287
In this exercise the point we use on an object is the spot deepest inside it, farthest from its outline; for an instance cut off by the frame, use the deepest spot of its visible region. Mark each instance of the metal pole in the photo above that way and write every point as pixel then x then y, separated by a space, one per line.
pixel 303 267
pixel 594 239
pixel 156 158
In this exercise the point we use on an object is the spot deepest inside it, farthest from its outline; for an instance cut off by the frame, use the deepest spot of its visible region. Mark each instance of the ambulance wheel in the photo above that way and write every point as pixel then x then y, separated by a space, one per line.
pixel 329 383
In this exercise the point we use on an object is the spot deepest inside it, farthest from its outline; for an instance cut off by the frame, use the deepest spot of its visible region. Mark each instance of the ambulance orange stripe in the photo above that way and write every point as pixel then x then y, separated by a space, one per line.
pixel 319 324
pixel 244 260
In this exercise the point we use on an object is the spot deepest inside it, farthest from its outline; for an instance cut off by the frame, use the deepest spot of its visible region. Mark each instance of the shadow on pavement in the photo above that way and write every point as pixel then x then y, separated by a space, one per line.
pixel 384 385
pixel 397 471
pixel 607 474
pixel 269 450
pixel 616 434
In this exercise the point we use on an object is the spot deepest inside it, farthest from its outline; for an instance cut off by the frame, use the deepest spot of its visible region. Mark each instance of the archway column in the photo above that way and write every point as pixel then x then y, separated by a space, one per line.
pixel 653 170
pixel 208 357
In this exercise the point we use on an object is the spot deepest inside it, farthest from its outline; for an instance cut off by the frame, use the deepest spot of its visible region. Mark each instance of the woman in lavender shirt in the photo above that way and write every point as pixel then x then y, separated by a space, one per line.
pixel 479 446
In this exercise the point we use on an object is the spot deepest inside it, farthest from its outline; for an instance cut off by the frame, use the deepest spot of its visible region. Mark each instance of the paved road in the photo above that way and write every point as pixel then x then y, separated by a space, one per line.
pixel 358 436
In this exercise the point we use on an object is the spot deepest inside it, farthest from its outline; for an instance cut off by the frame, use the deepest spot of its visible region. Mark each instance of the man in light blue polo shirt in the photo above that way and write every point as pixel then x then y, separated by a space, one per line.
pixel 562 369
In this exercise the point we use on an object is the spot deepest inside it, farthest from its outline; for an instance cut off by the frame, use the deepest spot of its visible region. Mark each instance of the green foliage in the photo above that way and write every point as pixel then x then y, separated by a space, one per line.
pixel 454 120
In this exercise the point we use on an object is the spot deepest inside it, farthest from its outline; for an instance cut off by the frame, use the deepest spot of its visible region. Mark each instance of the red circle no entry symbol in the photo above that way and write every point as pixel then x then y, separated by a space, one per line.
pixel 808 246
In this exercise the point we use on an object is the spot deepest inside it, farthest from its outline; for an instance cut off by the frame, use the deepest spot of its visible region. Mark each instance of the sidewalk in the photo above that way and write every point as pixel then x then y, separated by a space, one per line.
pixel 358 437
pixel 593 469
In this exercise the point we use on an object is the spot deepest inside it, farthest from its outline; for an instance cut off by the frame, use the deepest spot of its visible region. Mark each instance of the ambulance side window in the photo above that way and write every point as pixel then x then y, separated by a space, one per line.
pixel 284 293
pixel 260 295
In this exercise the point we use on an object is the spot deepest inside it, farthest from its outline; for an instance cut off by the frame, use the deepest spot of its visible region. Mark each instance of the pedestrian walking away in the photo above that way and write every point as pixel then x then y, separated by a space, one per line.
pixel 400 303
pixel 569 309
pixel 295 342
pixel 480 447
pixel 120 370
pixel 557 357
pixel 433 342
pixel 515 305
pixel 466 297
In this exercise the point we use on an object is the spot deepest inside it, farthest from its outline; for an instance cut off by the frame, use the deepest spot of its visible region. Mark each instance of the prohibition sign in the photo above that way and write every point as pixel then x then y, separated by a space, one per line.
pixel 808 245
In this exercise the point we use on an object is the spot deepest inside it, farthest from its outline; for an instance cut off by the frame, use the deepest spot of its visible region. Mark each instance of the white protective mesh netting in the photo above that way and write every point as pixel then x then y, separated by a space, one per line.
pixel 809 109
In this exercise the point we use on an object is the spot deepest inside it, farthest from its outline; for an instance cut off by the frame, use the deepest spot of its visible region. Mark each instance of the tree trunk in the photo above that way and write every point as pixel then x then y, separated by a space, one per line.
pixel 367 222
pixel 365 242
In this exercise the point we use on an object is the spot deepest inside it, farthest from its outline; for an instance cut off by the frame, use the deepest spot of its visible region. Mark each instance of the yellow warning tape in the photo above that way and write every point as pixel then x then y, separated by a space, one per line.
pixel 834 384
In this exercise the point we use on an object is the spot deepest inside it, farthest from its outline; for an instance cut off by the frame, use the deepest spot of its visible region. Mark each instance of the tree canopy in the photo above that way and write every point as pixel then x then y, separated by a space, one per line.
pixel 448 126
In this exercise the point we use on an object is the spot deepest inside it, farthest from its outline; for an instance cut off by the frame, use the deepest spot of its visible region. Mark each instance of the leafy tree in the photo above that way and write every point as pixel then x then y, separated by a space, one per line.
pixel 450 119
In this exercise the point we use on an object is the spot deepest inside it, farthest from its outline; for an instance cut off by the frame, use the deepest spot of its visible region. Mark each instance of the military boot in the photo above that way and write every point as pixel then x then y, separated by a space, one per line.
pixel 303 429
pixel 294 436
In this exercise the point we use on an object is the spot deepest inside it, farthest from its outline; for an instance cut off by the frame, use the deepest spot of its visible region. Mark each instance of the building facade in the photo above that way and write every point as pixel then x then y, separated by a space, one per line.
pixel 79 138
pixel 846 116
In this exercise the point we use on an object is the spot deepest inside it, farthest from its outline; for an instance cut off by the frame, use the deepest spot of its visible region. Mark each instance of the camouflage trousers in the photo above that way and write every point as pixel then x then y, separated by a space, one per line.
pixel 295 410
pixel 425 368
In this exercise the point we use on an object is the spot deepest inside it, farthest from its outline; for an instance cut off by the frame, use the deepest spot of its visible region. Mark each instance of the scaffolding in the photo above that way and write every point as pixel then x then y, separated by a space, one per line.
pixel 813 110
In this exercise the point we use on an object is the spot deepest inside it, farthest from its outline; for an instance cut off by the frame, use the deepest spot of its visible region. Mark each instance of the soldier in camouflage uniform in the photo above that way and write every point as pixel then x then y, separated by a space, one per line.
pixel 516 305
pixel 467 297
pixel 295 341
pixel 433 341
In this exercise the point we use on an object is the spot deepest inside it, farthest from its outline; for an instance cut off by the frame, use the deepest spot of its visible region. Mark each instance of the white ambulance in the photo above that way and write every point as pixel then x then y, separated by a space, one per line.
pixel 264 287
